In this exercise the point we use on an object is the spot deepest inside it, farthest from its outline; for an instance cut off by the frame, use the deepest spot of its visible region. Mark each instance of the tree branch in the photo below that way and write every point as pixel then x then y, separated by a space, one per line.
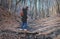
pixel 18 2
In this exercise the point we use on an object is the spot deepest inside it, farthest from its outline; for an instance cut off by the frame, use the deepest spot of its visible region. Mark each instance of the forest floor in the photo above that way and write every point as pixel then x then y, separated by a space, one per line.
pixel 8 21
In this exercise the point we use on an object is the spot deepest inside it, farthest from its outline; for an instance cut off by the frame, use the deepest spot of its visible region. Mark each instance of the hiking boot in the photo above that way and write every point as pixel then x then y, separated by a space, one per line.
pixel 25 30
pixel 20 29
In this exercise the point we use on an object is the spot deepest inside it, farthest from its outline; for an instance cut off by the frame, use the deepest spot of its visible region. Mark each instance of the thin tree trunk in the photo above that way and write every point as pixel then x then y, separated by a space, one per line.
pixel 9 4
pixel 58 6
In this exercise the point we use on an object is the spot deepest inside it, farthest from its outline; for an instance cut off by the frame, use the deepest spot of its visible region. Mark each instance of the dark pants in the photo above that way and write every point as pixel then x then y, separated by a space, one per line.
pixel 24 25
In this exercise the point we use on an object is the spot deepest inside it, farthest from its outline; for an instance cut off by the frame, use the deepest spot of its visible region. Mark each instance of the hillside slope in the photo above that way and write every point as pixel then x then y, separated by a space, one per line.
pixel 8 20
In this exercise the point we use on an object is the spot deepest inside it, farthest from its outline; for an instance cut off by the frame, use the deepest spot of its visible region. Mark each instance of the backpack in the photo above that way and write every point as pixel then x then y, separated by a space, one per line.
pixel 21 13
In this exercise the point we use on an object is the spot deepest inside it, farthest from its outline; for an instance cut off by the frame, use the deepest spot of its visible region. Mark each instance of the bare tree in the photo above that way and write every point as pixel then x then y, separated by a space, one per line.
pixel 58 10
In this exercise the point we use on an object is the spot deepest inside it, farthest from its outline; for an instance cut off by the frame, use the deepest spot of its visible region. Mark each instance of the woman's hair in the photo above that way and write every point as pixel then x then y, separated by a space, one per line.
pixel 26 7
pixel 22 8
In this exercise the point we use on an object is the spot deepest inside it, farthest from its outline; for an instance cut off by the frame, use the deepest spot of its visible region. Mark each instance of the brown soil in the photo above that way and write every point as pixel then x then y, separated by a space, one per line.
pixel 8 20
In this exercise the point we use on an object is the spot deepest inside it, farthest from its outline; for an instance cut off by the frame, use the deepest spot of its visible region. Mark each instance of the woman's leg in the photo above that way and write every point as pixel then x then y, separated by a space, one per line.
pixel 22 25
pixel 25 25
